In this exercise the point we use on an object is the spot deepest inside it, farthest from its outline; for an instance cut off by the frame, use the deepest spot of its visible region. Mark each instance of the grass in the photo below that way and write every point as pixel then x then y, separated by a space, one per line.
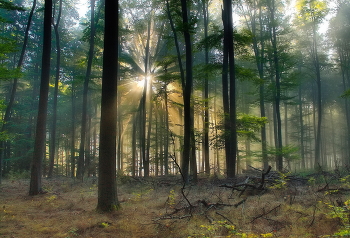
pixel 157 208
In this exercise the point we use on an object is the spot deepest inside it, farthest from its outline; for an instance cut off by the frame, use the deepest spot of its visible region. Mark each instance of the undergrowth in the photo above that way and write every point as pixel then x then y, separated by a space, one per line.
pixel 157 208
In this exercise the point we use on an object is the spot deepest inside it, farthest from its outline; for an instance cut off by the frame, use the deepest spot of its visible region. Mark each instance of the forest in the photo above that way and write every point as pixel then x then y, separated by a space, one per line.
pixel 148 93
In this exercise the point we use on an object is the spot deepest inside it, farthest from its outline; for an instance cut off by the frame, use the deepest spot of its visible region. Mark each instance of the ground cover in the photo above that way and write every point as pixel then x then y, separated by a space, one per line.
pixel 159 207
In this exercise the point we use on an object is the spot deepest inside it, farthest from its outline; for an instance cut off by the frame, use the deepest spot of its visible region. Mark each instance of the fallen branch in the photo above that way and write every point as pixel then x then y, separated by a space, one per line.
pixel 264 214
pixel 225 217
pixel 249 188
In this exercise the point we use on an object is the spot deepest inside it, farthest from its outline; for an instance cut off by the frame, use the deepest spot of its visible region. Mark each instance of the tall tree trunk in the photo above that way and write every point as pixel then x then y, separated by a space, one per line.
pixel 107 191
pixel 206 157
pixel 278 85
pixel 302 136
pixel 133 147
pixel 259 57
pixel 345 75
pixel 231 118
pixel 40 136
pixel 187 95
pixel 177 47
pixel 52 148
pixel 225 91
pixel 7 115
pixel 318 100
pixel 72 148
pixel 166 134
pixel 80 169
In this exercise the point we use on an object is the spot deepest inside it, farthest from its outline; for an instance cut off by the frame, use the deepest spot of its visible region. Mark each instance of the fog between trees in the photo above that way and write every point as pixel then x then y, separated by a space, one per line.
pixel 197 90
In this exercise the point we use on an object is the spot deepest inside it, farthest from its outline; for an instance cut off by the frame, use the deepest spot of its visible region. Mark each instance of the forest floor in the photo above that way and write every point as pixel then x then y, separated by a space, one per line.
pixel 157 207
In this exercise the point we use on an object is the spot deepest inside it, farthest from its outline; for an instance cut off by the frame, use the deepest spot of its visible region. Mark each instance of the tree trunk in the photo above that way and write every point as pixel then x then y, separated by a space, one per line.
pixel 52 148
pixel 187 95
pixel 319 101
pixel 230 109
pixel 7 115
pixel 133 147
pixel 40 136
pixel 166 134
pixel 278 86
pixel 72 146
pixel 225 94
pixel 206 157
pixel 80 169
pixel 107 187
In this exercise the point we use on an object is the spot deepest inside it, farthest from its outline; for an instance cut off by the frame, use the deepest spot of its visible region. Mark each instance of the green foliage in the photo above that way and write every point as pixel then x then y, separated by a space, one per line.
pixel 225 228
pixel 281 182
pixel 247 128
pixel 342 213
pixel 171 198
pixel 312 10
pixel 14 175
pixel 7 5
pixel 288 152
pixel 141 195
pixel 249 125
pixel 345 181
pixel 346 94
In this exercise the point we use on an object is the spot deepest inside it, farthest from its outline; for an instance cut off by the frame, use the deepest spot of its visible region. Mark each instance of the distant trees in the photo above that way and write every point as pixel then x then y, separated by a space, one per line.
pixel 55 97
pixel 195 89
pixel 84 116
pixel 312 12
pixel 340 36
pixel 10 6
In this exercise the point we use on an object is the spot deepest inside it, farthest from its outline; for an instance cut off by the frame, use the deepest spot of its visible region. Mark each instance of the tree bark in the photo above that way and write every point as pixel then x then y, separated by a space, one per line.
pixel 52 148
pixel 81 159
pixel 277 96
pixel 229 110
pixel 206 157
pixel 318 100
pixel 187 95
pixel 107 187
pixel 40 136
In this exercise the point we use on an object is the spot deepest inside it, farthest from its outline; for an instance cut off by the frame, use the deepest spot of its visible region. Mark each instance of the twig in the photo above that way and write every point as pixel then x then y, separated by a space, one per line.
pixel 239 203
pixel 264 214
pixel 313 216
pixel 224 217
pixel 171 217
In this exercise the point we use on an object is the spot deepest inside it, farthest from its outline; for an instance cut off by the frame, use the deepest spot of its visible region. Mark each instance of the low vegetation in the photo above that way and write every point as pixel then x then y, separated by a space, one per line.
pixel 290 206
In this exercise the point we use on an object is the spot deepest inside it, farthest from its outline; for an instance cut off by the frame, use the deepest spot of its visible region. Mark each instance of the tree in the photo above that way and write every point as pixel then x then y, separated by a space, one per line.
pixel 7 116
pixel 257 27
pixel 277 94
pixel 40 136
pixel 311 14
pixel 340 35
pixel 205 146
pixel 80 169
pixel 55 97
pixel 107 191
pixel 187 95
pixel 229 91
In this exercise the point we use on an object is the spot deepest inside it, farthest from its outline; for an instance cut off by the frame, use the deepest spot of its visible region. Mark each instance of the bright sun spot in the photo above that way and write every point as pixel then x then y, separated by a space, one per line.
pixel 141 82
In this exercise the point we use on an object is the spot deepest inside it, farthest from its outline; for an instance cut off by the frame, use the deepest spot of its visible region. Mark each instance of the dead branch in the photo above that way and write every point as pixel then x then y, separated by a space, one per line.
pixel 225 217
pixel 239 203
pixel 251 189
pixel 264 213
pixel 172 217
